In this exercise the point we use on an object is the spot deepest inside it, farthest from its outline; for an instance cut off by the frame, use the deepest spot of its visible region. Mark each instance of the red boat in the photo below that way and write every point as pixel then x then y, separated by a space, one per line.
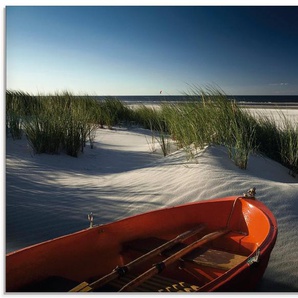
pixel 214 245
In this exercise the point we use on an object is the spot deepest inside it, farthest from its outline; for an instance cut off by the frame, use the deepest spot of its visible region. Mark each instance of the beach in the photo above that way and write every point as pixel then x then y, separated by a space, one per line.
pixel 125 174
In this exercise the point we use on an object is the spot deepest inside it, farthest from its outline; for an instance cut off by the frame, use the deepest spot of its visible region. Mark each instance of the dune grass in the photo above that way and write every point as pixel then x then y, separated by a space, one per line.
pixel 278 142
pixel 17 107
pixel 212 119
pixel 153 119
pixel 288 138
pixel 64 122
pixel 59 122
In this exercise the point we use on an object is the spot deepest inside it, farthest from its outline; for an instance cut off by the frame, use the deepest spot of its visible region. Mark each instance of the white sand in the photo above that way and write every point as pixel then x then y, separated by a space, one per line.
pixel 51 195
pixel 278 115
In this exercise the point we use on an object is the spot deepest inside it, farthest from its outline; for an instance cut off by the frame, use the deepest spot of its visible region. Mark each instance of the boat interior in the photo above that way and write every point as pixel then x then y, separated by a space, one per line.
pixel 188 274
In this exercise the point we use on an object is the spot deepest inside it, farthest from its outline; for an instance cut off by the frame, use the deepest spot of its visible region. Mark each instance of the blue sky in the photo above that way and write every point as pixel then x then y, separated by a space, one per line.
pixel 141 50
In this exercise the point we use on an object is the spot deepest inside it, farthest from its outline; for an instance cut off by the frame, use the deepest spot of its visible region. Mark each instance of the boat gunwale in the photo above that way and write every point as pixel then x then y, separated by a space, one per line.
pixel 267 212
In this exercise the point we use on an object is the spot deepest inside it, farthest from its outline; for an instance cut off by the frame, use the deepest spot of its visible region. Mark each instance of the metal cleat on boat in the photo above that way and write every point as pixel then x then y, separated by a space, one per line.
pixel 251 193
pixel 90 218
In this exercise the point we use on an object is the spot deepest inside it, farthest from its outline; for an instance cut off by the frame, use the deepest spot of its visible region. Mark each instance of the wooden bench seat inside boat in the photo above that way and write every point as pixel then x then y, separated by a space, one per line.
pixel 214 258
pixel 157 283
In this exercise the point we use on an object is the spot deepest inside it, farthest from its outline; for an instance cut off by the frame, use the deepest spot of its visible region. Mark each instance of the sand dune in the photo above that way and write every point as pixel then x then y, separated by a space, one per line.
pixel 51 195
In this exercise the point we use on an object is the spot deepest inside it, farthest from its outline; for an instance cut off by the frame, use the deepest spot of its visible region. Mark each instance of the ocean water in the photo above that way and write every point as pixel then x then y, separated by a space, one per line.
pixel 279 100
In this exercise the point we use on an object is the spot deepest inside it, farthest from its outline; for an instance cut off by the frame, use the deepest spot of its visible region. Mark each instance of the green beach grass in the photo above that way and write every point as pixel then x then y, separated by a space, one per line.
pixel 66 123
pixel 59 122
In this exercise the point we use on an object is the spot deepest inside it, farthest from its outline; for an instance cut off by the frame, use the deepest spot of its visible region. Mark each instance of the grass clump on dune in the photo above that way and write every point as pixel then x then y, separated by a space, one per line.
pixel 210 118
pixel 60 122
pixel 113 111
pixel 278 141
pixel 289 146
pixel 153 119
pixel 63 122
pixel 18 105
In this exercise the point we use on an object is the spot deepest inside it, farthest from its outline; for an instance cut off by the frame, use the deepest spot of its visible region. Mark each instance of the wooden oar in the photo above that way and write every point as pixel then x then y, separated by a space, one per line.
pixel 157 268
pixel 119 271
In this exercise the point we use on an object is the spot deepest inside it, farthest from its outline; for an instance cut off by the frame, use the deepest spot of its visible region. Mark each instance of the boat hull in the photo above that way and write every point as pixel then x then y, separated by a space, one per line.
pixel 93 253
